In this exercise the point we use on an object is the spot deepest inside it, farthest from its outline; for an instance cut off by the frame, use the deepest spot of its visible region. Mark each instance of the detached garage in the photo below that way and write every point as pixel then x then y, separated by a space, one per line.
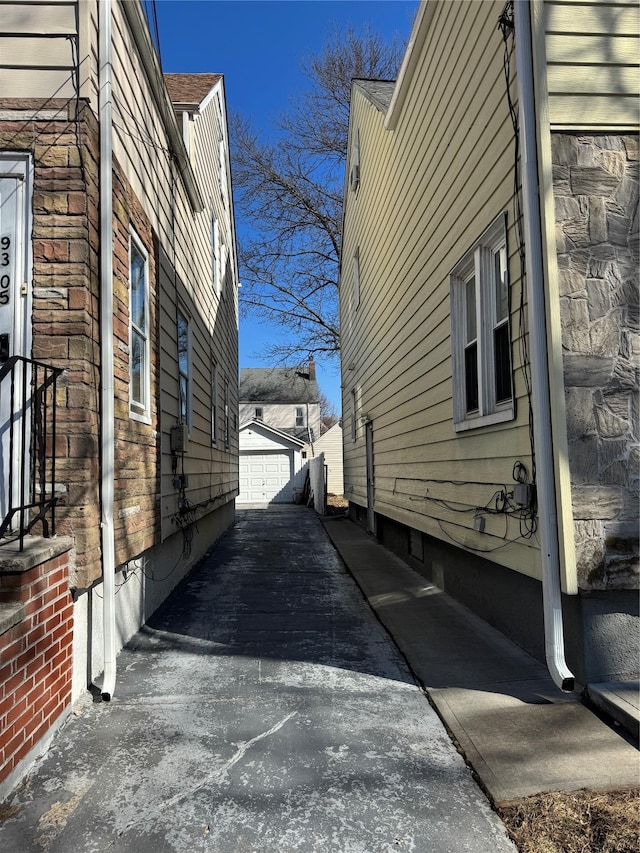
pixel 271 465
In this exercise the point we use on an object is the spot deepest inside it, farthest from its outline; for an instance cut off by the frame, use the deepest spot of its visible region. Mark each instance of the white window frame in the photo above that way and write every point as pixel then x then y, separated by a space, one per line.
pixel 214 403
pixel 356 279
pixel 354 415
pixel 140 410
pixel 259 413
pixel 227 426
pixel 215 255
pixel 299 416
pixel 479 262
pixel 186 419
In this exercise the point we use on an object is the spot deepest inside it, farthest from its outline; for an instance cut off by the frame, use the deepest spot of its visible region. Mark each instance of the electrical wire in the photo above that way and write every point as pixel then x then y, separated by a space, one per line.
pixel 506 25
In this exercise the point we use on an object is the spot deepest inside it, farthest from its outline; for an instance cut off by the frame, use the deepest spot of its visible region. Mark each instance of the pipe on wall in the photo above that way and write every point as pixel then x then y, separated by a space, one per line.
pixel 547 509
pixel 107 438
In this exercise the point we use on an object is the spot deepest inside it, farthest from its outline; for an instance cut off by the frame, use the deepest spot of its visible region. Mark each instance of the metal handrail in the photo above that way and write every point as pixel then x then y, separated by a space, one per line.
pixel 31 421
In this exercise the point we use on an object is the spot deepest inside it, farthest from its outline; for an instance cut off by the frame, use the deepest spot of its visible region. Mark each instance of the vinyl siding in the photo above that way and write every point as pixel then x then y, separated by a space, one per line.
pixel 34 41
pixel 331 445
pixel 592 55
pixel 37 43
pixel 428 190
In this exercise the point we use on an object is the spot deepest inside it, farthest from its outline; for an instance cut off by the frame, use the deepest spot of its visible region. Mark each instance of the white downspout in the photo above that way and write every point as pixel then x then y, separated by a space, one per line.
pixel 547 510
pixel 106 354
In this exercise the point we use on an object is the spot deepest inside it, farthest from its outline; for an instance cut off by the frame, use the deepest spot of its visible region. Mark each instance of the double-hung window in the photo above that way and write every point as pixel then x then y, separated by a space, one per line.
pixel 299 417
pixel 480 333
pixel 139 350
pixel 356 279
pixel 184 370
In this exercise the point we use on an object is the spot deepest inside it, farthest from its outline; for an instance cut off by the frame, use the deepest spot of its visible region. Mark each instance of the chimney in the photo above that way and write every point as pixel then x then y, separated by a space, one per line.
pixel 312 369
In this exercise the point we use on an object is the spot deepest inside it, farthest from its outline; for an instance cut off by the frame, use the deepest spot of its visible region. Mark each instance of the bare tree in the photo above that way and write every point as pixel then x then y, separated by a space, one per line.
pixel 289 194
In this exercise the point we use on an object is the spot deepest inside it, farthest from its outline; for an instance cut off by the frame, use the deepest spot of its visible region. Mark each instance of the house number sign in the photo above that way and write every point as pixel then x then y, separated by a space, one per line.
pixel 5 270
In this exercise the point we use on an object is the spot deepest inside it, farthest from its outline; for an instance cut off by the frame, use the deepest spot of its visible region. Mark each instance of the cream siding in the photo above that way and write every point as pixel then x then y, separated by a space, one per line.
pixel 592 55
pixel 331 445
pixel 428 190
pixel 40 64
pixel 38 46
pixel 141 146
pixel 283 415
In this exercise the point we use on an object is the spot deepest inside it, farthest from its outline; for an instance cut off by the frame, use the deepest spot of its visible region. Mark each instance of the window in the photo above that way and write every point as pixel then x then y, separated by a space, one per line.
pixel 258 415
pixel 227 437
pixel 184 371
pixel 222 162
pixel 354 171
pixel 299 417
pixel 139 356
pixel 354 416
pixel 480 333
pixel 356 279
pixel 215 256
pixel 214 402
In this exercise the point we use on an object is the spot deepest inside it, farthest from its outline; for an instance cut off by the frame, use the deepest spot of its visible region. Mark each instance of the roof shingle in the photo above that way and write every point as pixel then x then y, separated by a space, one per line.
pixel 190 89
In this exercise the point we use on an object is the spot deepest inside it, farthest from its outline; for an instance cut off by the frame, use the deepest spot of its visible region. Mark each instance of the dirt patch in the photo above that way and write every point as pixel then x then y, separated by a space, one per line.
pixel 336 505
pixel 575 822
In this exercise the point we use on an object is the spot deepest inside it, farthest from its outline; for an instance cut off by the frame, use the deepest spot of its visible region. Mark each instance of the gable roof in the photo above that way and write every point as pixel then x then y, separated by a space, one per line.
pixel 379 92
pixel 190 89
pixel 277 385
pixel 281 435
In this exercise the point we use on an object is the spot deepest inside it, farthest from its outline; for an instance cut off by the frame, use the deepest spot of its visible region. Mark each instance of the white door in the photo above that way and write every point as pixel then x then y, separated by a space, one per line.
pixel 15 319
pixel 266 478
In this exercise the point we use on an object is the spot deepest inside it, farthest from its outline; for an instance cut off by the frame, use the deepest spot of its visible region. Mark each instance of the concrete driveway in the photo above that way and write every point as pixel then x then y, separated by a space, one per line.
pixel 263 708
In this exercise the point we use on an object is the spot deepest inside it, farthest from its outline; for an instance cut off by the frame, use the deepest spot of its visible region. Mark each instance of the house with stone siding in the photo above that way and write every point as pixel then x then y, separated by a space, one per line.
pixel 489 321
pixel 118 348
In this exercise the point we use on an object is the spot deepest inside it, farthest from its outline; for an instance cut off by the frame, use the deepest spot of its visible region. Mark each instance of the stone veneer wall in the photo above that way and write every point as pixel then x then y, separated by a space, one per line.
pixel 64 141
pixel 595 181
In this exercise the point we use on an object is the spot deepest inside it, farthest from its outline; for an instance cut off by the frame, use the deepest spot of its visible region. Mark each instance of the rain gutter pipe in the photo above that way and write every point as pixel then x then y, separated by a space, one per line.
pixel 547 510
pixel 106 353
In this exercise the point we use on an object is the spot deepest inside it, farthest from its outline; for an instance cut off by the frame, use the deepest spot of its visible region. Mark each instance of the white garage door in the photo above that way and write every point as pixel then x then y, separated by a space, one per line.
pixel 266 478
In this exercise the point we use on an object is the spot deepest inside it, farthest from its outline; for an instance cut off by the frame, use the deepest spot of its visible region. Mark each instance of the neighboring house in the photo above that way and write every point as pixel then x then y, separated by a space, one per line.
pixel 456 368
pixel 135 316
pixel 279 424
pixel 330 443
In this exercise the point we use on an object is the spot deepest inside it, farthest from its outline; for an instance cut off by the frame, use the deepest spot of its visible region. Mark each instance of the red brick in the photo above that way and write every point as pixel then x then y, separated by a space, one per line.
pixel 35 665
pixel 15 681
pixel 20 578
pixel 12 650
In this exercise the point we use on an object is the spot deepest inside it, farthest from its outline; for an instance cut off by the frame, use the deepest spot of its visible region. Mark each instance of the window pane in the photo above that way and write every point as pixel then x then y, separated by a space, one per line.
pixel 502 362
pixel 183 399
pixel 500 278
pixel 183 345
pixel 137 289
pixel 137 368
pixel 470 301
pixel 471 377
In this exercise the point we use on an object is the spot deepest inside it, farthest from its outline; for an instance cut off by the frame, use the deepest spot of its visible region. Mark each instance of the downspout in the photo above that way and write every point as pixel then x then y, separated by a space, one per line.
pixel 106 354
pixel 547 510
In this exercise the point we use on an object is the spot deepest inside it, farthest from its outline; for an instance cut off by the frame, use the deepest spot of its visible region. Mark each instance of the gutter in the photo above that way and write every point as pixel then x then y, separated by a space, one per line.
pixel 547 508
pixel 106 352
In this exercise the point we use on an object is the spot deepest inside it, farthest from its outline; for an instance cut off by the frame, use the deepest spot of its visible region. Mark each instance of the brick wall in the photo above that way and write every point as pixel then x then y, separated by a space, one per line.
pixel 137 447
pixel 36 624
pixel 596 197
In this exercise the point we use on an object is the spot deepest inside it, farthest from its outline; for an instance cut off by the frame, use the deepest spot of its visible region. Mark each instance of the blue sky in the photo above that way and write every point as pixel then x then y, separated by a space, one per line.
pixel 258 46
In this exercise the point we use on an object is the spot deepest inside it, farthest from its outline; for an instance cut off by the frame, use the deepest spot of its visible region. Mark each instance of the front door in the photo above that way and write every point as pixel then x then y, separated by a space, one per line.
pixel 371 517
pixel 15 323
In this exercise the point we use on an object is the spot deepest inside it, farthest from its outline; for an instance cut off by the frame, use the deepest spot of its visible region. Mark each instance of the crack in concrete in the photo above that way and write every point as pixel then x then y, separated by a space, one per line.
pixel 217 777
